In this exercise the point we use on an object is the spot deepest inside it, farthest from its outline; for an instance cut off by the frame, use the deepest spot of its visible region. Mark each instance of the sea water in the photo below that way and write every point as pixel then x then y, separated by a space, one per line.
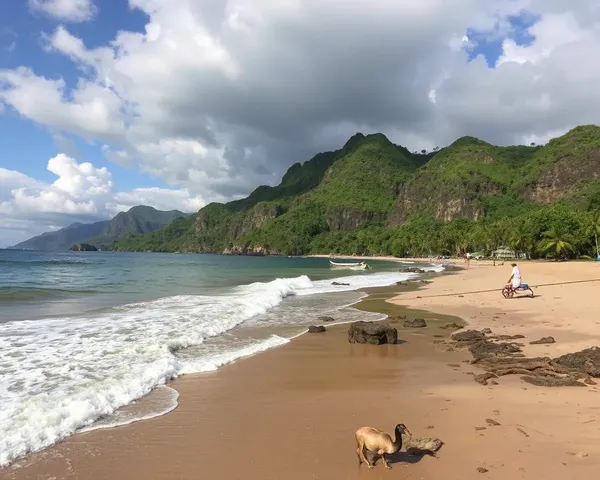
pixel 90 339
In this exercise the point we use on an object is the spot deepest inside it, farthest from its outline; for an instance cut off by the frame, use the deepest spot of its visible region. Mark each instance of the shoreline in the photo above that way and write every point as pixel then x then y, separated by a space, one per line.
pixel 129 409
pixel 312 387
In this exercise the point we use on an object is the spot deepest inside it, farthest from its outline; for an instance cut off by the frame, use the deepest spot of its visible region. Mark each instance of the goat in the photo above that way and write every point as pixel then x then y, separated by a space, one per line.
pixel 378 442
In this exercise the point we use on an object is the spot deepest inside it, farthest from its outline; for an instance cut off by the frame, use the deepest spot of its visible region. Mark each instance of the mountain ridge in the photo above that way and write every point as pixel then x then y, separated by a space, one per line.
pixel 371 194
pixel 139 219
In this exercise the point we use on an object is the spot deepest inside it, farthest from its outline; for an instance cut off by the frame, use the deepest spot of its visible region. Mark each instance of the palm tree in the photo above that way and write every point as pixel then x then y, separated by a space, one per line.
pixel 520 240
pixel 594 228
pixel 558 242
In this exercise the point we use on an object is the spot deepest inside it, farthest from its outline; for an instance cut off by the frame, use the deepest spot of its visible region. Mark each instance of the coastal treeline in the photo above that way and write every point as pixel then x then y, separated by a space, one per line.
pixel 372 197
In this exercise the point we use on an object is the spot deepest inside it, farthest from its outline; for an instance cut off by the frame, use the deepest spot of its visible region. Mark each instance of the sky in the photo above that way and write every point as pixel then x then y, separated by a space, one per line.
pixel 107 104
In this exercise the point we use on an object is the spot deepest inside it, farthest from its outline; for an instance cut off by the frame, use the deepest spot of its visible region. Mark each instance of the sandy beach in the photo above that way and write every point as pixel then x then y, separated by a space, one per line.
pixel 291 413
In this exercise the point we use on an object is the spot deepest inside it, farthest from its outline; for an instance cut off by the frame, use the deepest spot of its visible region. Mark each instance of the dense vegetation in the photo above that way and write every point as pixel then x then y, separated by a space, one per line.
pixel 137 220
pixel 373 197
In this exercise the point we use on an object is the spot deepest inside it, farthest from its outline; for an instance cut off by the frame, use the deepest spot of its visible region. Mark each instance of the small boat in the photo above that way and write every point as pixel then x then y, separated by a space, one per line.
pixel 350 265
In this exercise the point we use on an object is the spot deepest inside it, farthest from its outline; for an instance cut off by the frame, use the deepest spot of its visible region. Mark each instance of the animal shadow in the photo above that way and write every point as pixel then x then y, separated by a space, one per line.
pixel 398 457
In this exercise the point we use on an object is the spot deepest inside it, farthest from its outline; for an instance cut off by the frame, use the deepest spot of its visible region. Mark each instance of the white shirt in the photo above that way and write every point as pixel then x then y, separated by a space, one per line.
pixel 516 279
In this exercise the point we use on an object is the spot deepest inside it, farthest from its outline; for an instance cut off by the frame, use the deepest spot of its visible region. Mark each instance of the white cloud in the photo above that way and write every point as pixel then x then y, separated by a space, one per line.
pixel 218 97
pixel 81 192
pixel 65 10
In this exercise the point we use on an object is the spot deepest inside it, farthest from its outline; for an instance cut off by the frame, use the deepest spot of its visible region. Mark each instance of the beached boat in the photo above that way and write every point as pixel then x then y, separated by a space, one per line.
pixel 350 265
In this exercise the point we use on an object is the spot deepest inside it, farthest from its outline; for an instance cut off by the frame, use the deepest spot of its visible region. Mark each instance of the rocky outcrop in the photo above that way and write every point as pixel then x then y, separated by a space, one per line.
pixel 468 336
pixel 564 177
pixel 258 215
pixel 460 200
pixel 411 270
pixel 499 359
pixel 543 341
pixel 257 251
pixel 372 333
pixel 486 349
pixel 325 319
pixel 416 323
pixel 83 247
pixel 586 361
pixel 316 329
pixel 451 326
pixel 339 219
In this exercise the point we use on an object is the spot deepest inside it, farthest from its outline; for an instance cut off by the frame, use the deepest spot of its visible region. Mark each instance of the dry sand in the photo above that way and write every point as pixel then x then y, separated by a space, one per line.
pixel 290 413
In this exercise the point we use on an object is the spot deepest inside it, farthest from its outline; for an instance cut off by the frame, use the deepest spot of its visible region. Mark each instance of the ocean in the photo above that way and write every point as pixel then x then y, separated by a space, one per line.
pixel 90 339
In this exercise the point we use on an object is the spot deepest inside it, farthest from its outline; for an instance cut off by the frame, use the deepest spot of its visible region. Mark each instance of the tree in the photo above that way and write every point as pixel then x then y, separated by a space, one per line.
pixel 593 228
pixel 532 144
pixel 557 242
pixel 520 239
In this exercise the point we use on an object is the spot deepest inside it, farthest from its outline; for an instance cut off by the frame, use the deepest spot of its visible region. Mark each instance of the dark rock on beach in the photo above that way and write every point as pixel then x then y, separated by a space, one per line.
pixel 411 270
pixel 325 319
pixel 484 377
pixel 468 336
pixel 543 341
pixel 452 326
pixel 484 349
pixel 508 337
pixel 316 329
pixel 339 283
pixel 416 323
pixel 549 381
pixel 372 333
pixel 586 361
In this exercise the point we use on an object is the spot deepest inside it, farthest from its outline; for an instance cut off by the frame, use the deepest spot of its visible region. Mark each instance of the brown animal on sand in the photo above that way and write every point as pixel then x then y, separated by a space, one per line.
pixel 378 442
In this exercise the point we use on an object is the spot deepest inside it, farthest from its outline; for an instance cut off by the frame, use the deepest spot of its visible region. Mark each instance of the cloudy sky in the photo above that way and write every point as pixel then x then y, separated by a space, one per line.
pixel 176 103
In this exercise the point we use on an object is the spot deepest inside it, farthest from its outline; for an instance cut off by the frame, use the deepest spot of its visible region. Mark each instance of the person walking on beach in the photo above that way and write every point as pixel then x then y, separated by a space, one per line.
pixel 515 276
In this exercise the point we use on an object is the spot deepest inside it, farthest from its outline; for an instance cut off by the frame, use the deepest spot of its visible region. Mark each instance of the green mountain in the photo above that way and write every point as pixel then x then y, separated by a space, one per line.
pixel 137 220
pixel 374 197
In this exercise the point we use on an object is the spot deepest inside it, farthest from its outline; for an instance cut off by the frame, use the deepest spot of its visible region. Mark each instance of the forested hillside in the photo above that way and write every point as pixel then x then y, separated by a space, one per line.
pixel 374 197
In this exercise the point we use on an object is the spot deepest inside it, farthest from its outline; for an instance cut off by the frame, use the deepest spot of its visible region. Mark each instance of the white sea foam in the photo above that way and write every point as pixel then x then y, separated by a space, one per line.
pixel 59 375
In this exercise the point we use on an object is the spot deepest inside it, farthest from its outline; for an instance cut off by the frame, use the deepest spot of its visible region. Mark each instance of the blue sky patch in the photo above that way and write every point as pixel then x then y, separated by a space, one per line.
pixel 489 43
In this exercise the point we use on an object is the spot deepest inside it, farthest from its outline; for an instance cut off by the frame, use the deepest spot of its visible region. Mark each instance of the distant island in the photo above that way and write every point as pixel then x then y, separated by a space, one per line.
pixel 372 197
pixel 137 220
pixel 83 247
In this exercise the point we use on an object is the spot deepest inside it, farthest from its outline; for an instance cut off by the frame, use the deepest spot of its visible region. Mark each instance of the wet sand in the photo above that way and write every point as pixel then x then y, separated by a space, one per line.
pixel 291 413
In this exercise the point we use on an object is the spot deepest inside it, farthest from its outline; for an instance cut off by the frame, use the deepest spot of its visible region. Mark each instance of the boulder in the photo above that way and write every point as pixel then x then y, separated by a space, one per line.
pixel 416 323
pixel 339 283
pixel 372 333
pixel 316 329
pixel 586 361
pixel 325 319
pixel 543 341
